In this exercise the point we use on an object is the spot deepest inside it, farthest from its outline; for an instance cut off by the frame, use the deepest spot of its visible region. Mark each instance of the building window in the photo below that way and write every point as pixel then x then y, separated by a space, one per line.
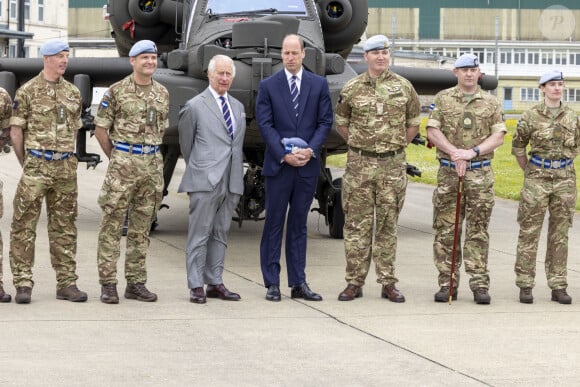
pixel 519 57
pixel 533 58
pixel 13 9
pixel 575 59
pixel 40 10
pixel 505 57
pixel 560 58
pixel 530 94
pixel 572 95
pixel 27 10
pixel 547 58
pixel 489 56
pixel 1 8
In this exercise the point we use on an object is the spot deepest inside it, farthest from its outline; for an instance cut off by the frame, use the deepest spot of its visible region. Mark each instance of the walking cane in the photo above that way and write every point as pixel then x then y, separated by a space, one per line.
pixel 455 235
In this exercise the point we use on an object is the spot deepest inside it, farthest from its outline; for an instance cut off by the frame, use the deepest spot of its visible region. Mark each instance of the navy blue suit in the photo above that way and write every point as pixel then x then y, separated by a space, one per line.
pixel 287 185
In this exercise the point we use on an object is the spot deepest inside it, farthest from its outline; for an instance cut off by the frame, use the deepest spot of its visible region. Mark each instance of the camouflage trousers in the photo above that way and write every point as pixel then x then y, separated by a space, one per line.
pixel 372 197
pixel 555 191
pixel 133 183
pixel 476 206
pixel 56 182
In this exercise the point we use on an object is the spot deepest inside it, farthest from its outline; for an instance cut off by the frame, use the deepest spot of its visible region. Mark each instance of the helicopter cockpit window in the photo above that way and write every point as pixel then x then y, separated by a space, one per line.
pixel 286 7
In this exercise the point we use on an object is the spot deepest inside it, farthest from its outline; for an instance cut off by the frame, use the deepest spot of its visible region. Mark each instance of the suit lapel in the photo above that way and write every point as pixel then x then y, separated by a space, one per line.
pixel 304 91
pixel 212 105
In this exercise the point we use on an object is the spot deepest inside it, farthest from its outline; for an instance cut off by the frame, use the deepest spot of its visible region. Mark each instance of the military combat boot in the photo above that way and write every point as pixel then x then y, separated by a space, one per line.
pixel 561 296
pixel 109 294
pixel 23 295
pixel 4 297
pixel 140 293
pixel 443 294
pixel 481 296
pixel 71 293
pixel 526 296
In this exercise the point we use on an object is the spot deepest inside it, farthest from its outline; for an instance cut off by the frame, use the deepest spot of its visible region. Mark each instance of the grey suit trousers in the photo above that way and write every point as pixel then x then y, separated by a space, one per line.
pixel 210 218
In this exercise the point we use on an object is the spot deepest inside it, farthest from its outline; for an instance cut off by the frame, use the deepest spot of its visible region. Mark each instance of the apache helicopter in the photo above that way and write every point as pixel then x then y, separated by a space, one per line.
pixel 188 33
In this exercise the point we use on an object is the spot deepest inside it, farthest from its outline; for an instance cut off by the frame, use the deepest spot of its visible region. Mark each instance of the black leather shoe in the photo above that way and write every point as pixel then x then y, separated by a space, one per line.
pixel 197 296
pixel 273 293
pixel 303 291
pixel 220 291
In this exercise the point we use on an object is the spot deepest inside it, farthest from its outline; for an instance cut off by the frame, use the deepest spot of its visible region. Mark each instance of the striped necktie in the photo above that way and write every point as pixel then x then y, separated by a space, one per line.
pixel 294 93
pixel 227 116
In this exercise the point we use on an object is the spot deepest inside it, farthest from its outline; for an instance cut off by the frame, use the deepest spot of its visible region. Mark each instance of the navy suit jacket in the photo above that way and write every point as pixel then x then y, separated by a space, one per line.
pixel 277 119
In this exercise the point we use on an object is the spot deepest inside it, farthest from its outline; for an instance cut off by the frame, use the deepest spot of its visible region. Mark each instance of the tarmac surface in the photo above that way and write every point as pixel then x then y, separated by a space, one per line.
pixel 253 342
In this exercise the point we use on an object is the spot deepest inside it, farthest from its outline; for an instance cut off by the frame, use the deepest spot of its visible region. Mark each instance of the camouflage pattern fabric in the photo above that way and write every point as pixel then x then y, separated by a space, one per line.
pixel 134 114
pixel 477 203
pixel 377 113
pixel 49 114
pixel 550 137
pixel 5 113
pixel 369 185
pixel 133 182
pixel 465 124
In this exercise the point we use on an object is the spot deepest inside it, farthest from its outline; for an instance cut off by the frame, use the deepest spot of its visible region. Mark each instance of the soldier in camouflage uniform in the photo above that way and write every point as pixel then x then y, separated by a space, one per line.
pixel 5 113
pixel 44 124
pixel 466 125
pixel 129 127
pixel 378 115
pixel 553 132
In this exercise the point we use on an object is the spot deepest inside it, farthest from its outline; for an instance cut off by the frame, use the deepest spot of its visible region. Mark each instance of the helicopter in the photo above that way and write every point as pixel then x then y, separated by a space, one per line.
pixel 188 33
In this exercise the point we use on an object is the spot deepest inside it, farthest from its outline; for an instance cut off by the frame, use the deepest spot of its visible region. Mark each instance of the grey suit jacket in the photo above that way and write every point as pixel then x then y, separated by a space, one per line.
pixel 207 147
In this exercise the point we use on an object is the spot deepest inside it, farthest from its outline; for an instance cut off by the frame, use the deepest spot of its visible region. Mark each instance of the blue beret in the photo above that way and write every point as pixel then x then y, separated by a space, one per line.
pixel 551 75
pixel 466 60
pixel 377 42
pixel 53 47
pixel 142 47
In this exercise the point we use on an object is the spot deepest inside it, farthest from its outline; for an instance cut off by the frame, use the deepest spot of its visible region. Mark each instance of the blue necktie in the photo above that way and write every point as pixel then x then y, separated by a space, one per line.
pixel 294 93
pixel 227 116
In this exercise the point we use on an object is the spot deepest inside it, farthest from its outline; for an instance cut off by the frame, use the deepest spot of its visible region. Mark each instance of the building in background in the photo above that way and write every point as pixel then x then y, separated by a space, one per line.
pixel 517 40
pixel 43 20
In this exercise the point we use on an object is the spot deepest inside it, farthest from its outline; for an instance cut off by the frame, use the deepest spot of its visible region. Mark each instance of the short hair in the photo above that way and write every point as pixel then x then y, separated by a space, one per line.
pixel 294 36
pixel 221 58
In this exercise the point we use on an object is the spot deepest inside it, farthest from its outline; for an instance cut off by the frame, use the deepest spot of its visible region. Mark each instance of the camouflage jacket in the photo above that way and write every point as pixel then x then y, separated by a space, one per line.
pixel 378 111
pixel 550 136
pixel 466 124
pixel 5 109
pixel 130 115
pixel 49 113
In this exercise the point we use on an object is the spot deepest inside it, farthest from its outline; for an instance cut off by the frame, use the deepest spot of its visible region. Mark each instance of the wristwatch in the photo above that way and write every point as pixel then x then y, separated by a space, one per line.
pixel 476 150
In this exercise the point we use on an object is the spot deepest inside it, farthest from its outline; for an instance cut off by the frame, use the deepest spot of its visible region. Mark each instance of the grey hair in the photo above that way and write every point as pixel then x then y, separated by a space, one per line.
pixel 221 58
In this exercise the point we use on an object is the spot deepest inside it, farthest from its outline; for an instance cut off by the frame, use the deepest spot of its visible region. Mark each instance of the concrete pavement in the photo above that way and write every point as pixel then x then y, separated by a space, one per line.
pixel 366 342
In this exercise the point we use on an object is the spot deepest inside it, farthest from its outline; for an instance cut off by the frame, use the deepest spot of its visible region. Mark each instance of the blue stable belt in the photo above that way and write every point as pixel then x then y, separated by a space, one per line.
pixel 550 164
pixel 137 149
pixel 470 164
pixel 50 155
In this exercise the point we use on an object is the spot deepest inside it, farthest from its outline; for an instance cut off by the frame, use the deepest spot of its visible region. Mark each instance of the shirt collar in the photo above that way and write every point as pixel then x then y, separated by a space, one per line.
pixel 289 74
pixel 216 95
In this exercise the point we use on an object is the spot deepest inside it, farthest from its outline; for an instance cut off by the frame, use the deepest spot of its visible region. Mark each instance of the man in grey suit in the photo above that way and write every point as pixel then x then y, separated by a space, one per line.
pixel 211 135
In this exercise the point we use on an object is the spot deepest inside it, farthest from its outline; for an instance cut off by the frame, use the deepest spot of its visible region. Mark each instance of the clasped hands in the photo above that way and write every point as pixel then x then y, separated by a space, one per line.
pixel 460 157
pixel 298 158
